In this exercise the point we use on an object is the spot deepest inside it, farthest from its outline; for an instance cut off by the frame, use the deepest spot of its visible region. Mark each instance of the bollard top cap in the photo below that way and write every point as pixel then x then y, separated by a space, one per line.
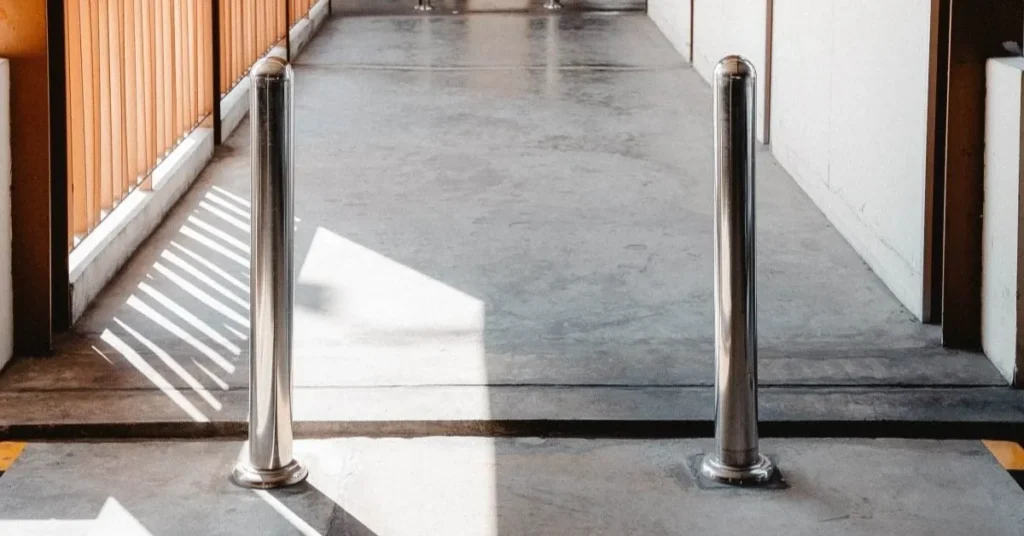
pixel 734 66
pixel 271 67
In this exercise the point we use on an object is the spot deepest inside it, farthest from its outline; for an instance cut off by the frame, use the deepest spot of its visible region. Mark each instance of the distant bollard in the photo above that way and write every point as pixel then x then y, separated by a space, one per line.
pixel 267 461
pixel 736 459
pixel 423 5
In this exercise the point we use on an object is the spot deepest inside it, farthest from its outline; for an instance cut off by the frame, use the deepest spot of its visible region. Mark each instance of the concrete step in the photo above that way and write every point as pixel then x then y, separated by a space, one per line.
pixel 936 412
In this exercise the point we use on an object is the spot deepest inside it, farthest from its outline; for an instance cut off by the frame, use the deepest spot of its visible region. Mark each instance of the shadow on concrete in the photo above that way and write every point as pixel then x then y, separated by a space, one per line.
pixel 158 489
pixel 340 522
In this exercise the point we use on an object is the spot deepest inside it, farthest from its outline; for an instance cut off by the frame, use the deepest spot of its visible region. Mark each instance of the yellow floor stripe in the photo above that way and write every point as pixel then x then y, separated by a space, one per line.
pixel 9 451
pixel 1009 454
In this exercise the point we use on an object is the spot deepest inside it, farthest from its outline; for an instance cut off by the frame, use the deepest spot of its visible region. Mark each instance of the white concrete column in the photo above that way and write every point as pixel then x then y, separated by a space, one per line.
pixel 6 283
pixel 1001 277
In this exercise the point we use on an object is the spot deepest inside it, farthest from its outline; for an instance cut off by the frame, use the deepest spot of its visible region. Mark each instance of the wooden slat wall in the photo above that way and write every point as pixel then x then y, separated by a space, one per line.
pixel 300 8
pixel 139 81
pixel 248 30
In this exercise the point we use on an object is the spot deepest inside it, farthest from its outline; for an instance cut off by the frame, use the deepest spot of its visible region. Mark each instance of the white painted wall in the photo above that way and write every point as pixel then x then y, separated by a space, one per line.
pixel 673 19
pixel 849 110
pixel 721 28
pixel 726 27
pixel 849 123
pixel 6 280
pixel 999 293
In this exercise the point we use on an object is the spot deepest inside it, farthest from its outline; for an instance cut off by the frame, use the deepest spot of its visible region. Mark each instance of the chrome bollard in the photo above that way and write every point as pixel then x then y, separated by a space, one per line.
pixel 736 459
pixel 552 5
pixel 267 461
pixel 423 5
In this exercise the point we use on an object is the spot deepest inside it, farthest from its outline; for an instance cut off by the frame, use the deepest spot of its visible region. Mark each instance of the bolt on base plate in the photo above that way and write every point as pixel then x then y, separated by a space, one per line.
pixel 760 473
pixel 247 476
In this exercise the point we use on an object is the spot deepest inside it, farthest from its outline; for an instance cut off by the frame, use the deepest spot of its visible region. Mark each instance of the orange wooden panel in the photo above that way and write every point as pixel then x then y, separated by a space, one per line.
pixel 222 34
pixel 138 80
pixel 116 133
pixel 181 78
pixel 131 95
pixel 248 36
pixel 206 52
pixel 282 20
pixel 193 64
pixel 149 60
pixel 137 54
pixel 167 65
pixel 238 36
pixel 93 146
pixel 106 113
pixel 69 125
pixel 76 109
pixel 160 82
pixel 172 66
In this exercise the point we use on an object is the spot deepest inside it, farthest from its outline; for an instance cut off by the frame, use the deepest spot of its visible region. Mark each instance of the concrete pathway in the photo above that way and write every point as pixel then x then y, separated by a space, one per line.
pixel 484 200
pixel 510 487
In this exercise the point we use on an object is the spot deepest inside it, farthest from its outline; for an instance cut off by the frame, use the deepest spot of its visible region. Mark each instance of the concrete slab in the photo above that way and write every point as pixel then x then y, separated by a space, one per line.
pixel 516 411
pixel 506 487
pixel 513 200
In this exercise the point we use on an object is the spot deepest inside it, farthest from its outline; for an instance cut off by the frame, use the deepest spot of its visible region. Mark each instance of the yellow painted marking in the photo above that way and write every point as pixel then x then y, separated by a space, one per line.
pixel 9 451
pixel 1009 454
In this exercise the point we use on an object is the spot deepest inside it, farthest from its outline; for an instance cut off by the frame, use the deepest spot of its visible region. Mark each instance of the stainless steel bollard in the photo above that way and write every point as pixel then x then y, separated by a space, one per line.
pixel 423 5
pixel 736 459
pixel 552 5
pixel 268 461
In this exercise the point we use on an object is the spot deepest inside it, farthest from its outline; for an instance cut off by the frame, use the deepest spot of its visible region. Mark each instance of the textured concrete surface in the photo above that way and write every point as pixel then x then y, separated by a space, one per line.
pixel 510 487
pixel 357 8
pixel 492 200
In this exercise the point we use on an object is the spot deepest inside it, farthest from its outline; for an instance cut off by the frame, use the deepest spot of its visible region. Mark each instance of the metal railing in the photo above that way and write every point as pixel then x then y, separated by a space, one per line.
pixel 737 459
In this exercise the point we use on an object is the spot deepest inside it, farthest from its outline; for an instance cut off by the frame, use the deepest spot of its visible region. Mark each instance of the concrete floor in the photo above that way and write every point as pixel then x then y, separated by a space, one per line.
pixel 493 200
pixel 510 487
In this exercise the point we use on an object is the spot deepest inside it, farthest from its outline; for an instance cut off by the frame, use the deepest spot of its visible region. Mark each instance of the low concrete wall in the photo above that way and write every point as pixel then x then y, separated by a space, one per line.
pixel 1000 295
pixel 96 260
pixel 6 283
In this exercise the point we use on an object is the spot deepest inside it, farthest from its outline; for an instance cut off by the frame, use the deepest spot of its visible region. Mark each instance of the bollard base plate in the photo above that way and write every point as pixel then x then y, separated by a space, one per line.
pixel 552 6
pixel 423 7
pixel 247 476
pixel 712 473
